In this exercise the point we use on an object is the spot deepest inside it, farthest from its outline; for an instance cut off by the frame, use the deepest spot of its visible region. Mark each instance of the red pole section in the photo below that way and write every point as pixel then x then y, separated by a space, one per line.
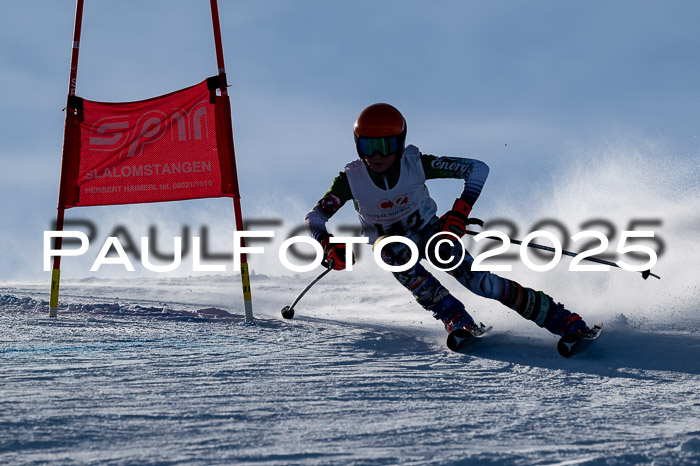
pixel 217 42
pixel 72 81
pixel 76 47
pixel 245 276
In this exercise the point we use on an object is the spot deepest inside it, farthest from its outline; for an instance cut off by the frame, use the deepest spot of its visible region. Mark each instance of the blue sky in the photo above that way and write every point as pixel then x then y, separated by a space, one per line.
pixel 516 84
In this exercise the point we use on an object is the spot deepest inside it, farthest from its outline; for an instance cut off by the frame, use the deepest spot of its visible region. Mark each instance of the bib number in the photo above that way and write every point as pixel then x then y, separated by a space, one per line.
pixel 400 228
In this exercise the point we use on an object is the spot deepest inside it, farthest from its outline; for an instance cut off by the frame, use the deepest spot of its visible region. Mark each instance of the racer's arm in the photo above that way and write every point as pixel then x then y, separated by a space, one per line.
pixel 338 194
pixel 473 172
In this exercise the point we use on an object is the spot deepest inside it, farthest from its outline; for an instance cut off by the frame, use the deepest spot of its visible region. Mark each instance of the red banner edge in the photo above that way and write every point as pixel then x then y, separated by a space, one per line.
pixel 224 141
pixel 68 194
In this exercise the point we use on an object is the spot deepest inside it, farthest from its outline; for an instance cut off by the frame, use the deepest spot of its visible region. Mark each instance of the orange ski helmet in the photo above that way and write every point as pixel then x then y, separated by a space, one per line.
pixel 380 128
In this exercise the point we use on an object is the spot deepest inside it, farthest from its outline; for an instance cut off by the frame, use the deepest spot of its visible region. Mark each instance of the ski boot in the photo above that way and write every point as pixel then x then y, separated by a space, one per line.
pixel 562 322
pixel 542 309
pixel 459 325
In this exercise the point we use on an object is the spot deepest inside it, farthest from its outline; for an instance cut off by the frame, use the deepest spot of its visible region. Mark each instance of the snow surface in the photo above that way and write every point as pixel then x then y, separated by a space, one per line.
pixel 162 370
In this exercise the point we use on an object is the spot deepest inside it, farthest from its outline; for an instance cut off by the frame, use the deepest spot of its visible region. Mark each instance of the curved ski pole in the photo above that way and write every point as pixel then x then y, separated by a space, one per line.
pixel 288 311
pixel 645 274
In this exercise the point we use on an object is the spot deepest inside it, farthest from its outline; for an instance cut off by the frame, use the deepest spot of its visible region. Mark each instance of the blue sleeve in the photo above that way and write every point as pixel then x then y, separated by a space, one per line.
pixel 473 172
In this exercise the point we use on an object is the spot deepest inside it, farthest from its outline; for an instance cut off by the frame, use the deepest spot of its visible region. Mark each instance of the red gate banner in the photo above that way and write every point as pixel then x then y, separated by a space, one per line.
pixel 173 147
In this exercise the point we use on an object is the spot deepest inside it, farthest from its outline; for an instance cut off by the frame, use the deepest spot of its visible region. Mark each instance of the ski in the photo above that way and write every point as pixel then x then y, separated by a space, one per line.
pixel 572 344
pixel 463 337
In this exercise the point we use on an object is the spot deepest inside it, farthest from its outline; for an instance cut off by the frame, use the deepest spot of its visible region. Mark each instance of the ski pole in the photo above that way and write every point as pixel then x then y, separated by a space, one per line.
pixel 288 311
pixel 645 274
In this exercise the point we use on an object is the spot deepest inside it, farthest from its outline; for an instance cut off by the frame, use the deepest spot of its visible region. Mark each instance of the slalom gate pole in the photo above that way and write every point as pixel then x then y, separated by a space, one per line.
pixel 58 241
pixel 645 274
pixel 245 276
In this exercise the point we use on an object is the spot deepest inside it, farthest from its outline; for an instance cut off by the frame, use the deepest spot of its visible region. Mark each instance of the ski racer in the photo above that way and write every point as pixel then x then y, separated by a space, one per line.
pixel 387 186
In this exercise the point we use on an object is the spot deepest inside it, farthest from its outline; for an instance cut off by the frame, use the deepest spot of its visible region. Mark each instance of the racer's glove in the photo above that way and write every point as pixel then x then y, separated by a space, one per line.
pixel 334 254
pixel 456 220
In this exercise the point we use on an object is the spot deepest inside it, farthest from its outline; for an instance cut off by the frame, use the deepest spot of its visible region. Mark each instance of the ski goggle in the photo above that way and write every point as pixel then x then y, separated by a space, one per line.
pixel 386 146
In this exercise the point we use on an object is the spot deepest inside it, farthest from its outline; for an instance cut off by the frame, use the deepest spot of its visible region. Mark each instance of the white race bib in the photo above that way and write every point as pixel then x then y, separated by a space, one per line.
pixel 401 210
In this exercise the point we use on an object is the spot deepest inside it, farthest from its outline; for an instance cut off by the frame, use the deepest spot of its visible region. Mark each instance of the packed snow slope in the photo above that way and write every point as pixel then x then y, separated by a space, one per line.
pixel 162 370
pixel 143 368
